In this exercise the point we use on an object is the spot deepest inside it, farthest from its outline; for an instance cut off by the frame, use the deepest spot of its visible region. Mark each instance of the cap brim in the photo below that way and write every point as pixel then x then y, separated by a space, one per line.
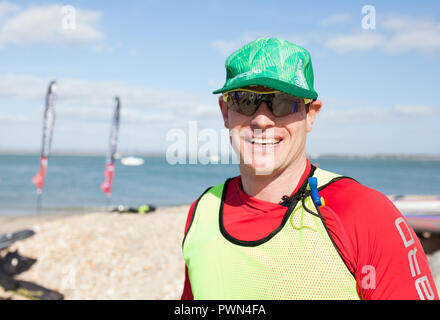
pixel 270 83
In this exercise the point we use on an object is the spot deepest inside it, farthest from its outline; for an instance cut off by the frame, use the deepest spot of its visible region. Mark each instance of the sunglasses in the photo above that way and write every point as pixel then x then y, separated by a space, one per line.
pixel 247 102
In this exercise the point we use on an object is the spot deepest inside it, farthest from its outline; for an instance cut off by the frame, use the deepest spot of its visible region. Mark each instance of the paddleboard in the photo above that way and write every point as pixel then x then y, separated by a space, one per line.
pixel 421 211
pixel 424 223
pixel 417 204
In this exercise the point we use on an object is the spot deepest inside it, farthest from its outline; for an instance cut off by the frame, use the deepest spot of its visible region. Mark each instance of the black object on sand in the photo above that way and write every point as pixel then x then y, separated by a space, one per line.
pixel 28 289
pixel 13 263
pixel 146 208
pixel 7 239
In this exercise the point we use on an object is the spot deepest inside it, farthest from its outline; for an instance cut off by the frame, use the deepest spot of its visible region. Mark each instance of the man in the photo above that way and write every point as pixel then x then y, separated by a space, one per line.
pixel 285 229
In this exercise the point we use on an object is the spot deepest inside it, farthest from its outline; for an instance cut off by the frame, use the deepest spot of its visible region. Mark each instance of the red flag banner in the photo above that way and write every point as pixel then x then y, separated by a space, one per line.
pixel 106 186
pixel 38 179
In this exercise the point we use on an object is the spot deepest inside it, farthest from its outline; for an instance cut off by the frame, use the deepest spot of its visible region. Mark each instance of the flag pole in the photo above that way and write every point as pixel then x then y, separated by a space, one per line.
pixel 108 203
pixel 39 201
pixel 109 172
pixel 48 125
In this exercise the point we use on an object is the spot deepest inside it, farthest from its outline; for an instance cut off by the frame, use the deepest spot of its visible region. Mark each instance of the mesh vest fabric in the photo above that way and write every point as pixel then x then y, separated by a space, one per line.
pixel 300 261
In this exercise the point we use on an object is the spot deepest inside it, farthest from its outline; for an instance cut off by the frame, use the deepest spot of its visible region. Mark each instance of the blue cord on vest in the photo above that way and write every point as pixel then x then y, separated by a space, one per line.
pixel 313 184
pixel 301 195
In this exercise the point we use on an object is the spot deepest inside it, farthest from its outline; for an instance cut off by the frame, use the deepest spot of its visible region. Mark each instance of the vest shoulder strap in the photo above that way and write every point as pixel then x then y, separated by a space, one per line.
pixel 325 177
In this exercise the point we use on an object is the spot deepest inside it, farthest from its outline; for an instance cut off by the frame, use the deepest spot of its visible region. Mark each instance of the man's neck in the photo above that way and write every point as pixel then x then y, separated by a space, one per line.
pixel 273 187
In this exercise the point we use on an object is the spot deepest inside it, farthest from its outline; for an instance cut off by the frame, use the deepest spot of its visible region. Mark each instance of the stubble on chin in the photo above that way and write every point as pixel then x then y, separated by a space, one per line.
pixel 253 159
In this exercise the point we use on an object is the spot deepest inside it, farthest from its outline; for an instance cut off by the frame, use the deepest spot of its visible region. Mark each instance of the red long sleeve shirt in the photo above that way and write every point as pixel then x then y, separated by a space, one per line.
pixel 373 238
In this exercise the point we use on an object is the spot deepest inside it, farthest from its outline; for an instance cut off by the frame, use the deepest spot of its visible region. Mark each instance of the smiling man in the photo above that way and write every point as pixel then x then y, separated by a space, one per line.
pixel 285 229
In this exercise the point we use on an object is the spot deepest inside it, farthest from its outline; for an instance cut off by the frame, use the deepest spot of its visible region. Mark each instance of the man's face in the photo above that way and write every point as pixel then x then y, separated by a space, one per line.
pixel 266 144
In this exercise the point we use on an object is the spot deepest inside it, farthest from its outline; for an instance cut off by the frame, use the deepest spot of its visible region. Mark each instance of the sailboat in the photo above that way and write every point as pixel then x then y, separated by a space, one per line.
pixel 132 160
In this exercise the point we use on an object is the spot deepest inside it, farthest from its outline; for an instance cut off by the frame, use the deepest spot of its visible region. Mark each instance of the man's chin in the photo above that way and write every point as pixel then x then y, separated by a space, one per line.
pixel 264 171
pixel 260 167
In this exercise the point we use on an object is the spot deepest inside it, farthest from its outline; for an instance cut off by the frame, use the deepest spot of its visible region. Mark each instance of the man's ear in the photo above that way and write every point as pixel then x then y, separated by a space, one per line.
pixel 224 110
pixel 314 109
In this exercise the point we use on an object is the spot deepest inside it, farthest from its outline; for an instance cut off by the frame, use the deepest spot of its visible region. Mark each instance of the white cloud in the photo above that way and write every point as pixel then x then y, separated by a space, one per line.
pixel 96 114
pixel 357 114
pixel 84 110
pixel 44 24
pixel 337 18
pixel 93 100
pixel 413 110
pixel 27 87
pixel 355 42
pixel 339 113
pixel 398 24
pixel 7 8
pixel 419 35
pixel 16 118
pixel 393 35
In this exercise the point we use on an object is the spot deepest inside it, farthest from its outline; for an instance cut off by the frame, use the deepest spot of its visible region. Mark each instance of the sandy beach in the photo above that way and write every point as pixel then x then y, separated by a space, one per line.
pixel 110 255
pixel 104 255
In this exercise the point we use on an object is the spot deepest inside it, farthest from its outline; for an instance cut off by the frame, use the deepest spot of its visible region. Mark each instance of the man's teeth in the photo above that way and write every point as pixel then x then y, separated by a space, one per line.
pixel 264 141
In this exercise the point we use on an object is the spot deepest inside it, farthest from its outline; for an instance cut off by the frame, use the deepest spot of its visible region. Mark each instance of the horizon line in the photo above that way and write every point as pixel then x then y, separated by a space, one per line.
pixel 311 155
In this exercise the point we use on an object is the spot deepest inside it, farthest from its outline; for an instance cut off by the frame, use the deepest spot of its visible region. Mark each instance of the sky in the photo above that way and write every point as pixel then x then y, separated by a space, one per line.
pixel 376 70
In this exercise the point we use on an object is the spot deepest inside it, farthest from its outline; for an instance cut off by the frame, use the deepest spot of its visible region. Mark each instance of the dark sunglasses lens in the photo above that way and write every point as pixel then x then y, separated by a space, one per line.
pixel 284 104
pixel 243 102
pixel 247 103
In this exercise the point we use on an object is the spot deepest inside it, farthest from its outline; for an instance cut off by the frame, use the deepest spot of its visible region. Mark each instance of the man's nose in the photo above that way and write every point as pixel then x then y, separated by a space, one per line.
pixel 263 118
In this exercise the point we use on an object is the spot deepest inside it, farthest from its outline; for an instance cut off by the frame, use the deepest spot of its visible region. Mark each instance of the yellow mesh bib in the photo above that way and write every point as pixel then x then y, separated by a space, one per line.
pixel 299 261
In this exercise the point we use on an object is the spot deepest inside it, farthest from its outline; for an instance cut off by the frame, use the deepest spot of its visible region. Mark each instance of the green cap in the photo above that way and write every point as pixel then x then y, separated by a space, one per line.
pixel 272 63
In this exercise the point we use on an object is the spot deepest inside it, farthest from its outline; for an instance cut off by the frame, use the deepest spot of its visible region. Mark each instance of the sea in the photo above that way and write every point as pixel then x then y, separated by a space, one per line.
pixel 72 183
